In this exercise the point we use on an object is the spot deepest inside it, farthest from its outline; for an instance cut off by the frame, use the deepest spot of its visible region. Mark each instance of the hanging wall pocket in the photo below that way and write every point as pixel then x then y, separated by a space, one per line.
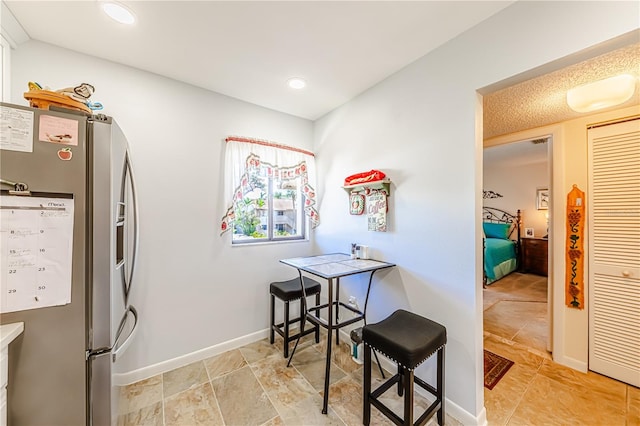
pixel 370 191
pixel 574 276
pixel 377 211
pixel 356 203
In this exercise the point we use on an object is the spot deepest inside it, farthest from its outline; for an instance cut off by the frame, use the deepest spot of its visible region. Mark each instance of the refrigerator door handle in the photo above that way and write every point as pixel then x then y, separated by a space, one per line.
pixel 120 348
pixel 136 231
pixel 117 348
pixel 94 353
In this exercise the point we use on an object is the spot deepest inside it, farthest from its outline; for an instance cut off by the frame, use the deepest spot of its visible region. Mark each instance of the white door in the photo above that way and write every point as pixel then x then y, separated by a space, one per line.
pixel 614 251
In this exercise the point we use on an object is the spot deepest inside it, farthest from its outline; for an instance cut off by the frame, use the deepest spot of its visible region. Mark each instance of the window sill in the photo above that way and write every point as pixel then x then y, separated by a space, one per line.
pixel 267 242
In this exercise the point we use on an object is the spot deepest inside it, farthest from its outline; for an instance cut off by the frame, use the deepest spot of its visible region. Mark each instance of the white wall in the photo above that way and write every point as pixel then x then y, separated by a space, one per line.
pixel 517 183
pixel 193 289
pixel 422 126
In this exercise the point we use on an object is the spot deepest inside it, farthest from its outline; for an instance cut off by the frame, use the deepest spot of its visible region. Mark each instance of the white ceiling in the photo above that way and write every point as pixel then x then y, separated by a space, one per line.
pixel 515 154
pixel 247 50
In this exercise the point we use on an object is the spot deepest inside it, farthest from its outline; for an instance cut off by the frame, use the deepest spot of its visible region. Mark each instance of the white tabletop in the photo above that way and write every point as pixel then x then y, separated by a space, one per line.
pixel 335 265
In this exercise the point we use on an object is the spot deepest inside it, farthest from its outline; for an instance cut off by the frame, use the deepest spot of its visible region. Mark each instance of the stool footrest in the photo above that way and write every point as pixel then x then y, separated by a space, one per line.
pixel 427 414
pixel 290 322
pixel 387 412
pixel 339 324
pixel 294 336
pixel 435 406
pixel 385 386
pixel 426 386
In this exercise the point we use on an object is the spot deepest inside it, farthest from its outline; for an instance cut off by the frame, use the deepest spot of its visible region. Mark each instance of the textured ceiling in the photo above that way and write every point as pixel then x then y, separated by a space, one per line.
pixel 542 100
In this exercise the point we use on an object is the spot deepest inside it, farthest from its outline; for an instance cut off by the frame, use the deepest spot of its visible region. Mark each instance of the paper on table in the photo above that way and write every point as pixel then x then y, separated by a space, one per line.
pixel 362 263
pixel 332 269
pixel 300 262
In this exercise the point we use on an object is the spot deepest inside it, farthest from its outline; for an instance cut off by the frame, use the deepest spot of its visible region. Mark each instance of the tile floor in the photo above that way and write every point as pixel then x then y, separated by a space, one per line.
pixel 515 308
pixel 537 391
pixel 252 385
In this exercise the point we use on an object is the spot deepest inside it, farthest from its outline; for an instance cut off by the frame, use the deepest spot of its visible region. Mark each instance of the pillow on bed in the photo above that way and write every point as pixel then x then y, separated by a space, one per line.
pixel 496 230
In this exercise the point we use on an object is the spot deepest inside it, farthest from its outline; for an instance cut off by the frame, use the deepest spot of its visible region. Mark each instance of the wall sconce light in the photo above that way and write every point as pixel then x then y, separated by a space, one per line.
pixel 602 93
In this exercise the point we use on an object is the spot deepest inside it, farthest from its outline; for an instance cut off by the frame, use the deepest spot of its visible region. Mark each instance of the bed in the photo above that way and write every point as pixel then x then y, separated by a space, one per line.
pixel 501 243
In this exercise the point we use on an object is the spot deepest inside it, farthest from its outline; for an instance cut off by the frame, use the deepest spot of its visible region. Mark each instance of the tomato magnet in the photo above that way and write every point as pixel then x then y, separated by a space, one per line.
pixel 65 154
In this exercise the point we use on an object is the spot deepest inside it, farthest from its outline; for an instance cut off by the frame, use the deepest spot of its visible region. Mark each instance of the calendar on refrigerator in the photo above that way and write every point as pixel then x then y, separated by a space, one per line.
pixel 36 247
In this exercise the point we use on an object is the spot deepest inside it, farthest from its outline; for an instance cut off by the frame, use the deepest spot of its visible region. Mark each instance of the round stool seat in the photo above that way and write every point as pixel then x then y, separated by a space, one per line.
pixel 405 337
pixel 291 290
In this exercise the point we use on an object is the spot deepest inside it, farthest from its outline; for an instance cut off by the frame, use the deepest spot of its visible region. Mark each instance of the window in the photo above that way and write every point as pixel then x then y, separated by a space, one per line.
pixel 271 209
pixel 270 192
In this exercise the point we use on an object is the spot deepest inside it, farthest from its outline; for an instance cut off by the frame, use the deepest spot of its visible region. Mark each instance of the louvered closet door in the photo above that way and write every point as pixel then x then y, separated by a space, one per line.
pixel 614 251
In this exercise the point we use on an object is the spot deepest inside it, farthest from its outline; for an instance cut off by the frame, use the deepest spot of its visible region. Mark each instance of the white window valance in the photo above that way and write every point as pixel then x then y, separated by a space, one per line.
pixel 242 155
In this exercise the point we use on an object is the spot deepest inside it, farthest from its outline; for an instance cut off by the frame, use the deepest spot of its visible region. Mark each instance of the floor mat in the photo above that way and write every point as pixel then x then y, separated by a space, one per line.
pixel 495 367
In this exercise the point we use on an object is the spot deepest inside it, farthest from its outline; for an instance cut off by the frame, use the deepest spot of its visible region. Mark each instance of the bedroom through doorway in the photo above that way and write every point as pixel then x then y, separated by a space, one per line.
pixel 516 297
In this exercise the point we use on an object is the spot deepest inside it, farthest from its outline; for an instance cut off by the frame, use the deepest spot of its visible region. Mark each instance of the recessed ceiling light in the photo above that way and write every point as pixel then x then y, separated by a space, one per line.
pixel 296 83
pixel 118 12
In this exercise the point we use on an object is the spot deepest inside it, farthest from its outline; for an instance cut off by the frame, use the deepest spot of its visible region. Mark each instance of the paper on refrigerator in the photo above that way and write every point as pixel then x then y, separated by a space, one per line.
pixel 36 246
pixel 16 129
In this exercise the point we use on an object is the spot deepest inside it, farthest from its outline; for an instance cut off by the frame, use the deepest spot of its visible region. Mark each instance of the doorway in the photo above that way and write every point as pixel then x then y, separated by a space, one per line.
pixel 517 178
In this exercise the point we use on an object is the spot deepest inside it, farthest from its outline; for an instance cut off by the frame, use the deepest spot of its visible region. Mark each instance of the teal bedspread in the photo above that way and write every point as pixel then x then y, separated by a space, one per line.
pixel 499 258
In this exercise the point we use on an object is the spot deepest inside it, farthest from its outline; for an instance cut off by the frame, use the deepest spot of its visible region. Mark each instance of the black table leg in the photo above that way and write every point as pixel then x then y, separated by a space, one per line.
pixel 337 310
pixel 325 402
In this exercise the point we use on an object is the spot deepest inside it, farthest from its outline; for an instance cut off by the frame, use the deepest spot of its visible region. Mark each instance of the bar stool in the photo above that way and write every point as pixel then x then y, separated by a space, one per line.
pixel 408 339
pixel 288 291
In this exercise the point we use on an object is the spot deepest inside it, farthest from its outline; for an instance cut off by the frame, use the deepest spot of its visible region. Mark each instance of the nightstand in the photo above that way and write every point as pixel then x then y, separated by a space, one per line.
pixel 535 258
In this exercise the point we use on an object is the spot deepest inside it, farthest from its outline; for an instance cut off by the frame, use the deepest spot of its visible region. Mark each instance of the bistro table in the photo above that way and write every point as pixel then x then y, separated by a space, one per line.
pixel 333 267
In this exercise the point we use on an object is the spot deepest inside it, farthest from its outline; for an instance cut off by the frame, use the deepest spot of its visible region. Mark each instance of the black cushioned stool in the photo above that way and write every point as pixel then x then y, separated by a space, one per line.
pixel 408 339
pixel 288 291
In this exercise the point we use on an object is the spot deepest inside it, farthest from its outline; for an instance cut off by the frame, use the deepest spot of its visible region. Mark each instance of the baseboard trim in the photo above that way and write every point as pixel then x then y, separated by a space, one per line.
pixel 481 420
pixel 572 363
pixel 463 416
pixel 130 377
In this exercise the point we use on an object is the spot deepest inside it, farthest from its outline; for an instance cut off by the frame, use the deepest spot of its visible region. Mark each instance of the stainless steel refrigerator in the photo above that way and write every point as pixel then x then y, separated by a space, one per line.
pixel 61 367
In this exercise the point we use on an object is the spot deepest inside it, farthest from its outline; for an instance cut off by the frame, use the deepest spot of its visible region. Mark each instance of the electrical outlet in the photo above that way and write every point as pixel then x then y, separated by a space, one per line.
pixel 353 302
